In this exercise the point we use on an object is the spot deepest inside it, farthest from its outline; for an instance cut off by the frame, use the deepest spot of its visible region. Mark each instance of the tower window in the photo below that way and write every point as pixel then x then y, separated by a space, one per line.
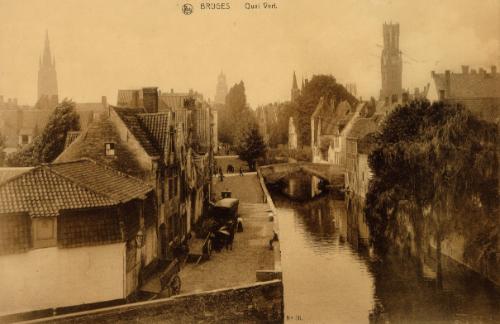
pixel 110 149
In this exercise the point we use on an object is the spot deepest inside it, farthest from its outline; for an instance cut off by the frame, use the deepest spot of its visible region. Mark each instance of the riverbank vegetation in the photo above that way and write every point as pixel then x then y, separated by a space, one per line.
pixel 435 167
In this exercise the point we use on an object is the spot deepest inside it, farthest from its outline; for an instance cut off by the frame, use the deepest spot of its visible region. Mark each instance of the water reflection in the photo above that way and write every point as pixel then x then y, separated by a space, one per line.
pixel 329 278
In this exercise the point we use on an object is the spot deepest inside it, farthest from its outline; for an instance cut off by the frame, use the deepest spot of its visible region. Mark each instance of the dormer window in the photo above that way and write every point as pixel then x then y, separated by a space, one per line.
pixel 110 149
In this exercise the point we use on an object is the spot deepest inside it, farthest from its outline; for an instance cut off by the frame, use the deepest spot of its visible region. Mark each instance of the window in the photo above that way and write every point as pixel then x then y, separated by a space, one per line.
pixel 44 232
pixel 441 94
pixel 110 149
pixel 25 139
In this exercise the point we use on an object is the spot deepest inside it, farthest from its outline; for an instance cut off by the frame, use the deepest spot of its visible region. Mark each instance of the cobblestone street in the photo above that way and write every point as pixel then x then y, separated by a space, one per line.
pixel 250 251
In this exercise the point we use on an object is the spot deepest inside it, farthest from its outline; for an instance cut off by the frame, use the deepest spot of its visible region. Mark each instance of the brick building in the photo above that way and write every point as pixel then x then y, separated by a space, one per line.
pixel 478 91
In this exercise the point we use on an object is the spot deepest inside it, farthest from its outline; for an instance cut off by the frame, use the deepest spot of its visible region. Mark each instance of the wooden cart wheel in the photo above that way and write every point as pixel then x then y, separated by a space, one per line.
pixel 209 248
pixel 175 285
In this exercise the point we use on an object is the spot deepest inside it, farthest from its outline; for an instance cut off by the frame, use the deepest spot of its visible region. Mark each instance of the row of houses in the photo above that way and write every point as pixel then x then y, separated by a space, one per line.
pixel 342 135
pixel 111 211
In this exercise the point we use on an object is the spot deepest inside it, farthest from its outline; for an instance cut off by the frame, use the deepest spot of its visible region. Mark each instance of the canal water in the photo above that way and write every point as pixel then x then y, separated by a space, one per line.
pixel 330 277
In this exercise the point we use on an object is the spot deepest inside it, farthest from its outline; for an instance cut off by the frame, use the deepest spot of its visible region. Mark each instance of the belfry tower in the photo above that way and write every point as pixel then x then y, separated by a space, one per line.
pixel 47 78
pixel 221 89
pixel 391 65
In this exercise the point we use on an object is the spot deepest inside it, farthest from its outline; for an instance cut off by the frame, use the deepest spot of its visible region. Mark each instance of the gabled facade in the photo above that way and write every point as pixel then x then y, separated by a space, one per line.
pixel 148 143
pixel 327 122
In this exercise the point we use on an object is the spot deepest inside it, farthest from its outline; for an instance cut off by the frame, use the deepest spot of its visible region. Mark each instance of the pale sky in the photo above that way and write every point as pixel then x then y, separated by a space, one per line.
pixel 105 45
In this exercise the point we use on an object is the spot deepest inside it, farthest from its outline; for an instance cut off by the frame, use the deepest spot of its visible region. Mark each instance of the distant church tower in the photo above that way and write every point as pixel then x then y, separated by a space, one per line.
pixel 392 65
pixel 295 89
pixel 221 89
pixel 47 78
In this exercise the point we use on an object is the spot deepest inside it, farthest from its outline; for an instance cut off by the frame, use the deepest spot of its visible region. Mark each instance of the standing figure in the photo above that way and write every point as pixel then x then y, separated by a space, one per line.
pixel 221 175
pixel 241 172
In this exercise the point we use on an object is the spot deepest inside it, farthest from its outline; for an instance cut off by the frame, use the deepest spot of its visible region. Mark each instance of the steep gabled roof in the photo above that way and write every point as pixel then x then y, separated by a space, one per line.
pixel 131 119
pixel 91 144
pixel 363 127
pixel 47 189
pixel 71 137
pixel 157 125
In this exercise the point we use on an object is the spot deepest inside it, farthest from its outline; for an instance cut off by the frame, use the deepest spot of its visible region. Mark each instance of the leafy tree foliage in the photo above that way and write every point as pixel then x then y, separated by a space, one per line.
pixel 438 162
pixel 320 86
pixel 235 116
pixel 252 147
pixel 50 143
pixel 279 130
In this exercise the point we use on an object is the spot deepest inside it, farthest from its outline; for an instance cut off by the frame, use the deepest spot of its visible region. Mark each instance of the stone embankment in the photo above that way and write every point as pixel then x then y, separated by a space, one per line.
pixel 255 303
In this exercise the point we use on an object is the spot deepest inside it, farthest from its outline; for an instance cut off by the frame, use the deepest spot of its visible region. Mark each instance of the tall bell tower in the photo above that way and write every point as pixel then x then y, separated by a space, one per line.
pixel 391 65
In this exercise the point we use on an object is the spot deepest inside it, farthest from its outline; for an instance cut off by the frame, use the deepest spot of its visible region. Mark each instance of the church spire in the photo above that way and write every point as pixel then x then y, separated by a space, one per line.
pixel 294 84
pixel 47 57
pixel 47 78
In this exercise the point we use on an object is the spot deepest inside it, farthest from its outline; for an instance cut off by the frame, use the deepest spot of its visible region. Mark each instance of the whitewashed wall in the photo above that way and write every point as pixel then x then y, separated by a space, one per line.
pixel 53 277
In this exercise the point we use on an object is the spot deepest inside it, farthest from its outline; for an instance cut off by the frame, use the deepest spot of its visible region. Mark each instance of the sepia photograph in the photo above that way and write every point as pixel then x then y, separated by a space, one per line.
pixel 286 161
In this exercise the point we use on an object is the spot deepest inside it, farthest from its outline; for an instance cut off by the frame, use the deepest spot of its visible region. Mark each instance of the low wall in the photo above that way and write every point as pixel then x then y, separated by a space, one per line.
pixel 269 200
pixel 256 303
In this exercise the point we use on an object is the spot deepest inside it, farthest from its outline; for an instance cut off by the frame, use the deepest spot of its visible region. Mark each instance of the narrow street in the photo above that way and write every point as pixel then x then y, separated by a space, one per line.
pixel 230 268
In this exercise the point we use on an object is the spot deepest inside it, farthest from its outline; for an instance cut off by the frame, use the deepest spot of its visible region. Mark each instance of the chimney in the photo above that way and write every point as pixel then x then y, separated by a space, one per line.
pixel 104 101
pixel 493 70
pixel 14 102
pixel 473 71
pixel 465 69
pixel 150 99
pixel 172 90
pixel 447 81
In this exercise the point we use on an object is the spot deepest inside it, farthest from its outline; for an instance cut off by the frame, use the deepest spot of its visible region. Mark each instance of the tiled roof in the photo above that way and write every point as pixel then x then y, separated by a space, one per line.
pixel 70 137
pixel 128 97
pixel 41 192
pixel 333 119
pixel 91 144
pixel 47 189
pixel 109 182
pixel 157 125
pixel 8 173
pixel 130 117
pixel 362 127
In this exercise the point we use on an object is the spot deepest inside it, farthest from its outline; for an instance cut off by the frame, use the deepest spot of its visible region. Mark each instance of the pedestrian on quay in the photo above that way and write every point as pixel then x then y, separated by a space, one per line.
pixel 241 171
pixel 221 175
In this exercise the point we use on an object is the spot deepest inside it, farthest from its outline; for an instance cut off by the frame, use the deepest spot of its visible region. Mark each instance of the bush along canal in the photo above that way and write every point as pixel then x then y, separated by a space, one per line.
pixel 332 275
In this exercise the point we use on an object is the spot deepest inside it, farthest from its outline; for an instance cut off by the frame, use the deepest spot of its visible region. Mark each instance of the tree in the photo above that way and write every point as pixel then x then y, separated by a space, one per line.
pixel 320 86
pixel 235 116
pixel 252 147
pixel 440 164
pixel 50 143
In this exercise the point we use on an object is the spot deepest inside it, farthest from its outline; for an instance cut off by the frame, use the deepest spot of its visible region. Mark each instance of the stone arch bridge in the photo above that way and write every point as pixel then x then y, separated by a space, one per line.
pixel 333 174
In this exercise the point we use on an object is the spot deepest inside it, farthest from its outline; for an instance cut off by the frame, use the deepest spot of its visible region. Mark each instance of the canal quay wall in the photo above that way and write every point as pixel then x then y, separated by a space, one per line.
pixel 255 303
pixel 457 246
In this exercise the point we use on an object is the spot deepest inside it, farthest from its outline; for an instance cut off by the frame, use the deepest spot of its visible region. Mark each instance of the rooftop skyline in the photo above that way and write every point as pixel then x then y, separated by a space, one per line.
pixel 102 47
